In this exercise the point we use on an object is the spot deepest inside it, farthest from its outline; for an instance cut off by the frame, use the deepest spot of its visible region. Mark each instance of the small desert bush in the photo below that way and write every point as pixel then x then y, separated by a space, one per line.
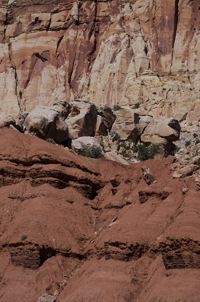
pixel 136 106
pixel 92 151
pixel 117 107
pixel 145 153
pixel 50 140
pixel 176 149
pixel 187 143
pixel 115 136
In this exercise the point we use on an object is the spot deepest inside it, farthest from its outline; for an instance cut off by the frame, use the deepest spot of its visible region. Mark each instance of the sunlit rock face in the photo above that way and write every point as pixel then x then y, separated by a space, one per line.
pixel 110 52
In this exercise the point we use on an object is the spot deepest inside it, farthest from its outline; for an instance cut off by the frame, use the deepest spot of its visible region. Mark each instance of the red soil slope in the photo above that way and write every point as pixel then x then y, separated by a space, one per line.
pixel 93 230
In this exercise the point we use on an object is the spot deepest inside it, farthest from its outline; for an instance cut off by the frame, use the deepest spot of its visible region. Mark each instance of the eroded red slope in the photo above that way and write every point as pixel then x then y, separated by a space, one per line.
pixel 93 230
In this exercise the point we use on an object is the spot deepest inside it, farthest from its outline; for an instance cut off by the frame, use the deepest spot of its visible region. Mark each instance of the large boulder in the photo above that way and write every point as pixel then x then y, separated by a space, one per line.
pixel 165 129
pixel 82 119
pixel 115 157
pixel 63 107
pixel 130 125
pixel 87 142
pixel 105 119
pixel 46 122
pixel 15 121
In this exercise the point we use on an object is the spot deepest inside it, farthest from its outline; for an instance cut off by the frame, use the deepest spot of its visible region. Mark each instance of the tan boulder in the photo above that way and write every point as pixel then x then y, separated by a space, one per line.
pixel 161 131
pixel 46 122
pixel 195 159
pixel 115 157
pixel 82 119
pixel 130 125
pixel 188 170
pixel 17 121
pixel 63 107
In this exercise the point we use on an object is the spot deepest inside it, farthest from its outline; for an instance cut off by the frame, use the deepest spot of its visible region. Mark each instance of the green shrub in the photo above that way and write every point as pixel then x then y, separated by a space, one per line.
pixel 187 143
pixel 136 106
pixel 125 146
pixel 102 145
pixel 50 140
pixel 195 135
pixel 197 142
pixel 176 149
pixel 117 107
pixel 126 155
pixel 92 151
pixel 145 153
pixel 115 136
pixel 198 163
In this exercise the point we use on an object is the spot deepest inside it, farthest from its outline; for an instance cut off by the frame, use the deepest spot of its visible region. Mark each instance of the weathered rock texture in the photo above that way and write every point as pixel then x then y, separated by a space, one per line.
pixel 81 229
pixel 112 52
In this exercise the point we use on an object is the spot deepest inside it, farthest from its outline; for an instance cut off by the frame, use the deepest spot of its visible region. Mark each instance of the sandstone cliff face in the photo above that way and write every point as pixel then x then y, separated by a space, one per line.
pixel 129 52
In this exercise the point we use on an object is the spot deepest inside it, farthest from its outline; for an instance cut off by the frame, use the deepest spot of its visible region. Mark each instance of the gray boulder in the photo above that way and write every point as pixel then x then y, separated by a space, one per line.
pixel 46 122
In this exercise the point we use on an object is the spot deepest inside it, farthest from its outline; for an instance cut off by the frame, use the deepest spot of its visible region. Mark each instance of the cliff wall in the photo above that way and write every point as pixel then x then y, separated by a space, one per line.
pixel 113 52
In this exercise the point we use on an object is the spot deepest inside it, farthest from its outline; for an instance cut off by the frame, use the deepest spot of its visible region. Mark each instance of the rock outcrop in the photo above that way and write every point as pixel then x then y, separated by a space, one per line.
pixel 113 53
pixel 88 143
pixel 80 229
pixel 82 119
pixel 46 122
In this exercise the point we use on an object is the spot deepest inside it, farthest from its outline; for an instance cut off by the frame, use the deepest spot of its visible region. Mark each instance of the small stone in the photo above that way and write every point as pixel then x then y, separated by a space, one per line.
pixel 47 298
pixel 148 175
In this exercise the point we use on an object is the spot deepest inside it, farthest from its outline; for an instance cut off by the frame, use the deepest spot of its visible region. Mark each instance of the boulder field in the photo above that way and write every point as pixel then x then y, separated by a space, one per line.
pixel 133 52
pixel 76 229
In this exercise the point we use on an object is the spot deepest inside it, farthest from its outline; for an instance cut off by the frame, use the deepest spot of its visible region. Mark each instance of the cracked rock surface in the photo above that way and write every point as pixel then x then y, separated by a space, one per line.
pixel 113 52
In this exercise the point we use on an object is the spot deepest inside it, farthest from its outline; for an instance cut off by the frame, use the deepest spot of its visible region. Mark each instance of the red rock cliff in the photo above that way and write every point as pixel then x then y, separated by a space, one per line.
pixel 115 52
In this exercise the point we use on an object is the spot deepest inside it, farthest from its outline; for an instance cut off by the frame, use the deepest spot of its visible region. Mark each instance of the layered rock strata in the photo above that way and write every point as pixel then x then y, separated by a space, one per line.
pixel 80 229
pixel 124 53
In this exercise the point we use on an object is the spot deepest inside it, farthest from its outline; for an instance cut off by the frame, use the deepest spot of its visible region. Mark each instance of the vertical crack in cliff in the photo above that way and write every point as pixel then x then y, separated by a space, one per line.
pixel 175 27
pixel 16 78
pixel 16 88
pixel 72 67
